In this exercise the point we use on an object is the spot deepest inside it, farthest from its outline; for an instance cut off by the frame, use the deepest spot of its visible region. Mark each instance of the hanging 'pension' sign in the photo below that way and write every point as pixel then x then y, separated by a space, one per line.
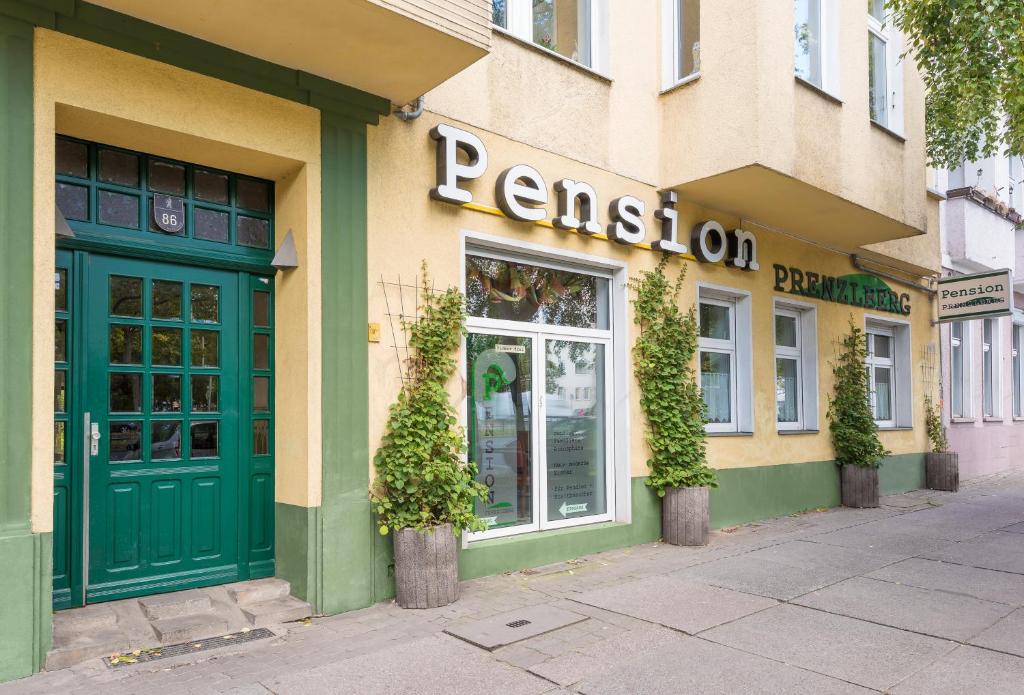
pixel 522 194
pixel 983 295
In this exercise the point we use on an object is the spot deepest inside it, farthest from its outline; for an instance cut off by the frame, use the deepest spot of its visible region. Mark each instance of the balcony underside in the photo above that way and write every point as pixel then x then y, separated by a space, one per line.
pixel 774 199
pixel 359 44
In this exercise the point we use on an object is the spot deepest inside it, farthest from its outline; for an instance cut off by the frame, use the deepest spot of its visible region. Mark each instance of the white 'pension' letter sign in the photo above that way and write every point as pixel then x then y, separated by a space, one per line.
pixel 449 171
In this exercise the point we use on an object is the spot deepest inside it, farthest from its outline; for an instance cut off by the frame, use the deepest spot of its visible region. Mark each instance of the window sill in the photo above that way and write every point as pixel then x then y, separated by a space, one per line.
pixel 895 429
pixel 729 434
pixel 962 420
pixel 827 96
pixel 527 536
pixel 682 82
pixel 799 431
pixel 1017 418
pixel 499 31
pixel 992 418
pixel 887 131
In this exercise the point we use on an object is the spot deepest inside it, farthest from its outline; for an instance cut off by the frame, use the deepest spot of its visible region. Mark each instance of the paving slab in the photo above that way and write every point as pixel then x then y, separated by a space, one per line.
pixel 957 521
pixel 686 605
pixel 882 539
pixel 812 555
pixel 1007 635
pixel 1014 528
pixel 929 612
pixel 988 585
pixel 514 626
pixel 968 670
pixel 996 550
pixel 756 575
pixel 874 656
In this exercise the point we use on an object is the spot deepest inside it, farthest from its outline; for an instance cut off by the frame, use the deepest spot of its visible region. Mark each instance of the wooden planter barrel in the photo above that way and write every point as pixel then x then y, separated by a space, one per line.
pixel 859 486
pixel 684 515
pixel 942 471
pixel 426 567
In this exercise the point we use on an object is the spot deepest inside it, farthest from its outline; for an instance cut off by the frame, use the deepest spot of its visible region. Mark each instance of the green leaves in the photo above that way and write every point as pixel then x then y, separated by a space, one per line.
pixel 933 425
pixel 422 479
pixel 671 401
pixel 971 53
pixel 850 420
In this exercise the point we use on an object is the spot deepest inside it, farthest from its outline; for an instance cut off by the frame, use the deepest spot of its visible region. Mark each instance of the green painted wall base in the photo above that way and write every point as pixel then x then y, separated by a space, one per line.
pixel 26 615
pixel 296 549
pixel 901 473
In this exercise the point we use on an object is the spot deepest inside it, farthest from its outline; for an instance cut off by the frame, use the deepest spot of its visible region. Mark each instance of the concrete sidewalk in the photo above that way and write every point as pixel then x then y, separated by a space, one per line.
pixel 923 595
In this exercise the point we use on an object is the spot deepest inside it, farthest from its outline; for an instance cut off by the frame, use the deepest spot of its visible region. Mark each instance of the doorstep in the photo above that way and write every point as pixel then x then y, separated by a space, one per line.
pixel 118 627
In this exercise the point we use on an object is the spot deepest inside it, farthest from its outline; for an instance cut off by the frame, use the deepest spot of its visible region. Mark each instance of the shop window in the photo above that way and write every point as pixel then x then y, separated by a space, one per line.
pixel 568 28
pixel 724 359
pixel 680 41
pixel 540 393
pixel 796 389
pixel 960 369
pixel 1018 371
pixel 885 80
pixel 888 368
pixel 990 395
pixel 815 43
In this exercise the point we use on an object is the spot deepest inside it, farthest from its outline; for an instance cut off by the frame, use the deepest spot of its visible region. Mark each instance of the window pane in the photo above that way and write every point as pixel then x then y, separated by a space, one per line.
pixel 72 158
pixel 253 232
pixel 60 391
pixel 60 336
pixel 125 296
pixel 957 371
pixel 715 322
pixel 876 8
pixel 210 224
pixel 260 437
pixel 73 201
pixel 261 351
pixel 124 441
pixel 210 186
pixel 253 195
pixel 204 439
pixel 166 299
pixel 882 345
pixel 877 94
pixel 126 393
pixel 60 289
pixel 118 209
pixel 499 380
pixel 119 167
pixel 261 393
pixel 166 393
pixel 166 347
pixel 204 348
pixel 786 390
pixel 261 309
pixel 205 394
pixel 1018 406
pixel 575 430
pixel 563 26
pixel 125 344
pixel 807 40
pixel 988 373
pixel 688 28
pixel 499 13
pixel 166 177
pixel 499 289
pixel 165 441
pixel 205 303
pixel 785 331
pixel 883 393
pixel 59 442
pixel 716 385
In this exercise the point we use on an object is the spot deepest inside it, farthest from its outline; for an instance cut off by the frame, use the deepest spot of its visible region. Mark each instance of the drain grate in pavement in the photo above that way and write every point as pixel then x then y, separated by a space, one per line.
pixel 142 656
pixel 515 626
pixel 518 623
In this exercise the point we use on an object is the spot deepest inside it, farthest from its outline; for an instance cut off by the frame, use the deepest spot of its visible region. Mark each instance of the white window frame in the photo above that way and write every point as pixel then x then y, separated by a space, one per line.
pixel 618 374
pixel 740 347
pixel 670 48
pixel 901 363
pixel 966 369
pixel 806 353
pixel 519 17
pixel 887 32
pixel 1017 362
pixel 993 348
pixel 828 13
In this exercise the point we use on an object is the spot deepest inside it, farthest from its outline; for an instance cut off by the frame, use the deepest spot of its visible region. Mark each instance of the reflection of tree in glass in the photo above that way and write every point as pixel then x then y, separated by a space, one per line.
pixel 498 13
pixel 544 23
pixel 517 292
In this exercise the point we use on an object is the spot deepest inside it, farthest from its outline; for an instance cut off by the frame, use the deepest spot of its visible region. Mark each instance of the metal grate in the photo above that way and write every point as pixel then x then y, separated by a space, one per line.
pixel 518 623
pixel 156 653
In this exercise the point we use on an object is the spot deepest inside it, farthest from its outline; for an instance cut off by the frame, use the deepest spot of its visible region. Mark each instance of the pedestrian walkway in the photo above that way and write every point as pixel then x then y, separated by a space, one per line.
pixel 923 595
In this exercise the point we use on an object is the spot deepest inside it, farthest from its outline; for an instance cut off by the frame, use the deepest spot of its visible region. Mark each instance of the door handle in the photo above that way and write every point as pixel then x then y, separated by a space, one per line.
pixel 94 439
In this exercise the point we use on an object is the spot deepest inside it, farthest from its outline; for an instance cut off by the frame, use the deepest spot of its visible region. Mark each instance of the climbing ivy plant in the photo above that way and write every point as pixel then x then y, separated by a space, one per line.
pixel 669 396
pixel 850 420
pixel 933 426
pixel 422 478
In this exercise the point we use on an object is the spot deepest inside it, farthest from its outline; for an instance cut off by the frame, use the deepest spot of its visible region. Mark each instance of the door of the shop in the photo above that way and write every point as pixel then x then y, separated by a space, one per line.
pixel 162 372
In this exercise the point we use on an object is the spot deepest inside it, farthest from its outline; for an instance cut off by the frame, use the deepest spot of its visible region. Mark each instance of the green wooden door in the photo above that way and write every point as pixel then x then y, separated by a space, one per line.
pixel 161 406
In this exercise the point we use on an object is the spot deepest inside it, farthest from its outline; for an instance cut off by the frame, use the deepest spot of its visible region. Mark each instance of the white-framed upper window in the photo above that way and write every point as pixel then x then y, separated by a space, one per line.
pixel 1018 370
pixel 815 43
pixel 573 29
pixel 960 369
pixel 881 366
pixel 990 391
pixel 885 74
pixel 680 21
pixel 1015 193
pixel 796 387
pixel 724 359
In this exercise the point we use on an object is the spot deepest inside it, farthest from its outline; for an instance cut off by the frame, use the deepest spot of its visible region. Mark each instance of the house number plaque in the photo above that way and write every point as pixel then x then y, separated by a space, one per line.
pixel 169 213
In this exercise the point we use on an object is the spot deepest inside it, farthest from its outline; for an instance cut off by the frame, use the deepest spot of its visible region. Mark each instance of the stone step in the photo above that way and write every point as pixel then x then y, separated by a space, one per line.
pixel 84 620
pixel 68 652
pixel 259 590
pixel 279 610
pixel 189 628
pixel 176 604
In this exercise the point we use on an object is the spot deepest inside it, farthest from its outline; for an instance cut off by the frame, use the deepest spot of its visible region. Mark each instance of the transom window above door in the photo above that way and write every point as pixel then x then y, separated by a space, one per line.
pixel 108 193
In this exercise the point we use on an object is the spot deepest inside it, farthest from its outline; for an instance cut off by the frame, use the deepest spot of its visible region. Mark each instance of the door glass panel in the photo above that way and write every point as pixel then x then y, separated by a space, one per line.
pixel 125 296
pixel 883 393
pixel 204 437
pixel 118 209
pixel 59 441
pixel 60 340
pixel 204 348
pixel 166 177
pixel 211 224
pixel 60 391
pixel 261 393
pixel 73 201
pixel 786 390
pixel 210 186
pixel 575 429
pixel 125 393
pixel 72 158
pixel 125 437
pixel 205 393
pixel 260 437
pixel 254 195
pixel 261 351
pixel 167 347
pixel 714 322
pixel 716 385
pixel 125 344
pixel 205 303
pixel 253 232
pixel 500 425
pixel 119 167
pixel 166 393
pixel 166 300
pixel 165 440
pixel 60 286
pixel 261 309
pixel 785 331
pixel 500 289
